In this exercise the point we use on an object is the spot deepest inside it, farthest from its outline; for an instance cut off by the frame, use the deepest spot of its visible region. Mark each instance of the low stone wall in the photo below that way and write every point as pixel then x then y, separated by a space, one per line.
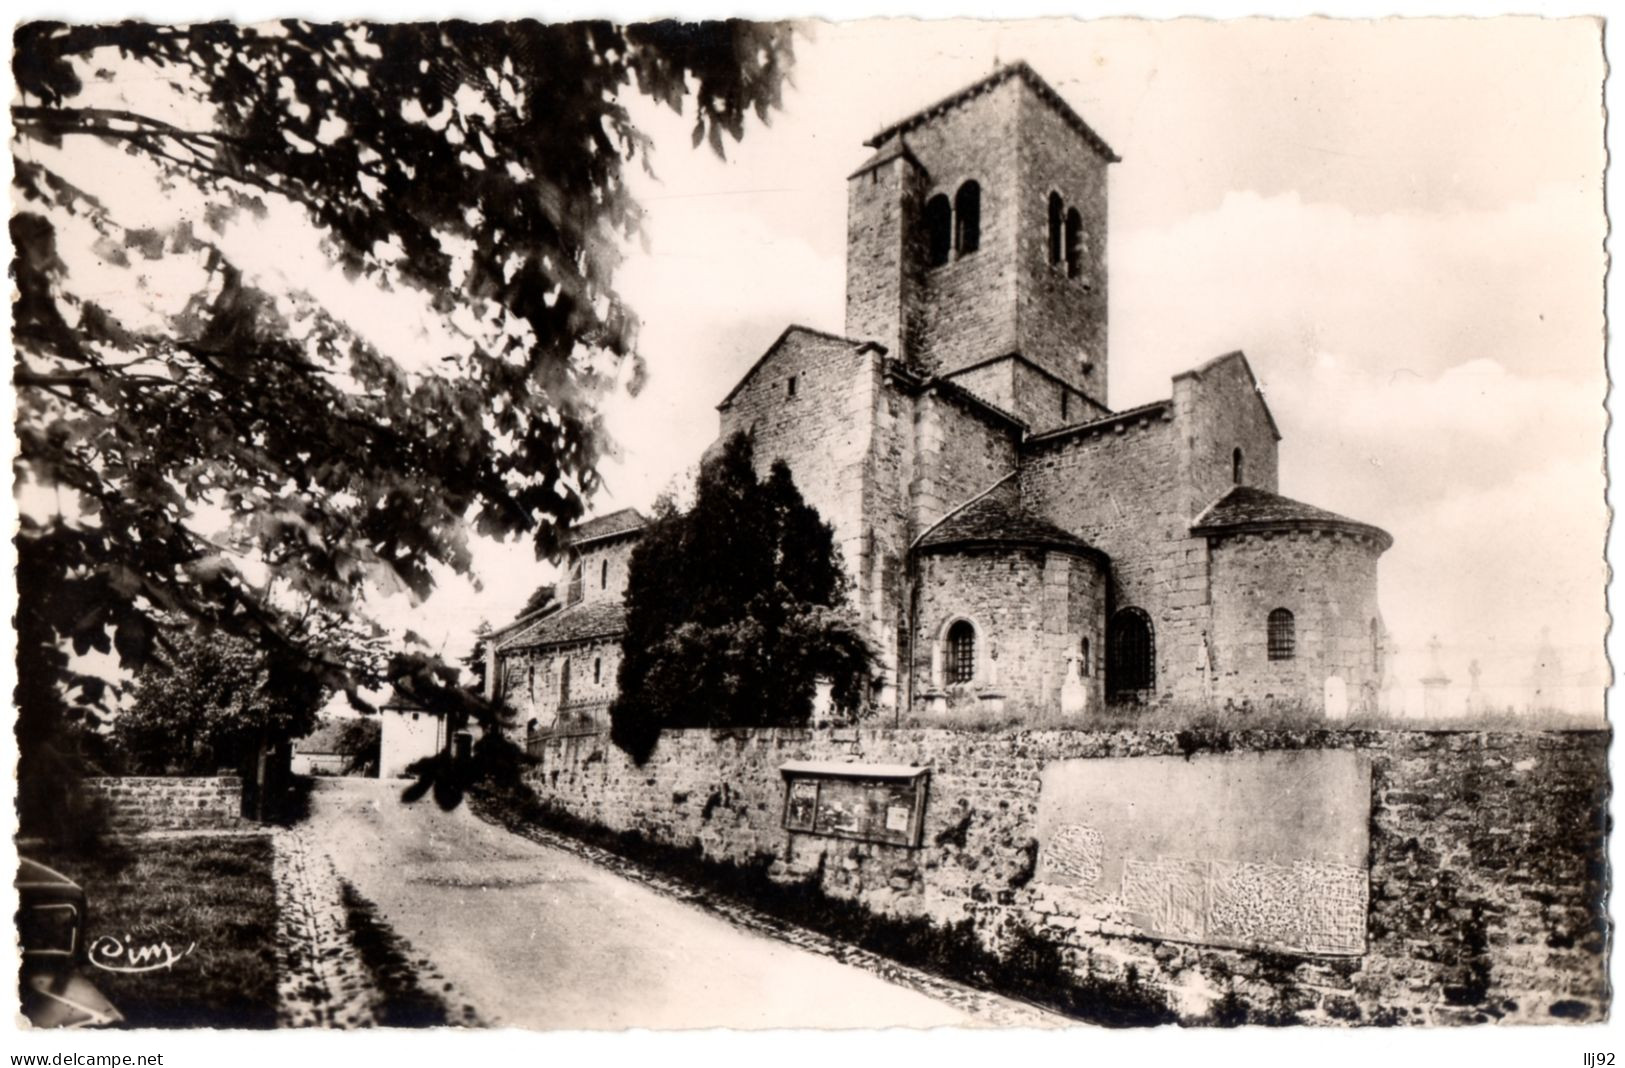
pixel 162 803
pixel 1487 864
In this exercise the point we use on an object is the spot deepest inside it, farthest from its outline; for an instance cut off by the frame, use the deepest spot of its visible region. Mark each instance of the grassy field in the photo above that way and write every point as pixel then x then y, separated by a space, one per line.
pixel 216 892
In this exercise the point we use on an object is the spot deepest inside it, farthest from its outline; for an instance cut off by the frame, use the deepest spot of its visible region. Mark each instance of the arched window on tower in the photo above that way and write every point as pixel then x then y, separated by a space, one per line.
pixel 1074 244
pixel 1130 653
pixel 961 652
pixel 564 683
pixel 939 229
pixel 968 219
pixel 603 575
pixel 1283 635
pixel 1055 211
pixel 1236 467
pixel 597 670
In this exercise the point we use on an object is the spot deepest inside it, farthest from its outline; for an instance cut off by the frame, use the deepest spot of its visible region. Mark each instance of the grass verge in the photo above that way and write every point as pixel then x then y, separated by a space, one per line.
pixel 1031 967
pixel 213 893
pixel 403 1000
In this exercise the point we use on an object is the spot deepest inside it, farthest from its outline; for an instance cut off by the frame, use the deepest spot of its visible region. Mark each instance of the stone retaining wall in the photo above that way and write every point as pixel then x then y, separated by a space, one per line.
pixel 180 803
pixel 1487 862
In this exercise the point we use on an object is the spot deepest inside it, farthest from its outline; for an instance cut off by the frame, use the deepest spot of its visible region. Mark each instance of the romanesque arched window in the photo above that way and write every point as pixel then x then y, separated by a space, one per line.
pixel 939 229
pixel 961 652
pixel 603 575
pixel 1130 652
pixel 574 593
pixel 1074 244
pixel 1236 467
pixel 1085 665
pixel 597 670
pixel 1283 635
pixel 564 683
pixel 968 218
pixel 1055 210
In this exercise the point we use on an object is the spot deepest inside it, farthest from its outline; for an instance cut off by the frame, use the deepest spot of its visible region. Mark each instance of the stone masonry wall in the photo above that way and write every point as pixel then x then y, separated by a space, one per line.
pixel 1219 411
pixel 1030 609
pixel 823 432
pixel 153 803
pixel 1487 866
pixel 970 302
pixel 1061 320
pixel 1117 488
pixel 533 682
pixel 1329 583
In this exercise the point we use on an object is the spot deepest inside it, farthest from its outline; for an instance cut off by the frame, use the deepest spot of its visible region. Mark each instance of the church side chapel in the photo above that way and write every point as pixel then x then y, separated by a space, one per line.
pixel 1017 548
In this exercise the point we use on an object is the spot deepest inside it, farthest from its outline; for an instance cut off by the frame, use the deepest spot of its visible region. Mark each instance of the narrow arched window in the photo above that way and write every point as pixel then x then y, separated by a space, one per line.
pixel 1074 244
pixel 1236 467
pixel 533 684
pixel 597 670
pixel 1085 666
pixel 1283 636
pixel 603 575
pixel 961 652
pixel 1055 210
pixel 1130 652
pixel 564 683
pixel 968 219
pixel 939 229
pixel 574 593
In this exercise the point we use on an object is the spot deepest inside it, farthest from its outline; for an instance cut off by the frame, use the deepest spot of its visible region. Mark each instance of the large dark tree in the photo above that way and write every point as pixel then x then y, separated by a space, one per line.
pixel 734 611
pixel 207 704
pixel 169 463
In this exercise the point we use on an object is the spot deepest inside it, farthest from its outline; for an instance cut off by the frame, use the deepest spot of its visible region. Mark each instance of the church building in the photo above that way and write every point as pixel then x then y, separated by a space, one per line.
pixel 1018 548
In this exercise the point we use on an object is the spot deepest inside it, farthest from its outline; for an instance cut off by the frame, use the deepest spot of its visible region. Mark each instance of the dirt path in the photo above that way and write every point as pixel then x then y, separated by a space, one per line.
pixel 537 938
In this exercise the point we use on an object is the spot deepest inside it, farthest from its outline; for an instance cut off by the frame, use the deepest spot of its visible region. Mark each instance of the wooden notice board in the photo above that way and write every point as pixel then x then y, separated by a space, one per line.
pixel 867 802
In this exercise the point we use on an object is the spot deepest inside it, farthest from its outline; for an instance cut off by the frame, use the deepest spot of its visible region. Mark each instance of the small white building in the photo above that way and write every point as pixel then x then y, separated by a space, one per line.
pixel 410 733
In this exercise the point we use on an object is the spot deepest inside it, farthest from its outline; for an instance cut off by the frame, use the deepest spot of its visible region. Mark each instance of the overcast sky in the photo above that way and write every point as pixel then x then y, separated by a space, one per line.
pixel 1400 223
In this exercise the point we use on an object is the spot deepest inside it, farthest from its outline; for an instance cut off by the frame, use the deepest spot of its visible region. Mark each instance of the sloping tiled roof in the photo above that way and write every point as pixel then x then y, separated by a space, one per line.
pixel 579 622
pixel 999 519
pixel 900 150
pixel 1246 508
pixel 400 700
pixel 623 521
pixel 1045 92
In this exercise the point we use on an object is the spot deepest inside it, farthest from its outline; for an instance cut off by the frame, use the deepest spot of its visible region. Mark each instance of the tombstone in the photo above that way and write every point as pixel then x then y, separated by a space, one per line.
pixel 1336 695
pixel 1074 694
pixel 1435 683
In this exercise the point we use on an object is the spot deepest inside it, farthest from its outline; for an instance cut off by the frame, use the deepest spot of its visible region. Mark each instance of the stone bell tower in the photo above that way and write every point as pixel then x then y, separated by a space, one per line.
pixel 976 247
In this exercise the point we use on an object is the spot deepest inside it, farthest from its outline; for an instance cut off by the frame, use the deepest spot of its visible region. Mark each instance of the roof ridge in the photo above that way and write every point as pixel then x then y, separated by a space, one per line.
pixel 1017 69
pixel 960 508
pixel 792 328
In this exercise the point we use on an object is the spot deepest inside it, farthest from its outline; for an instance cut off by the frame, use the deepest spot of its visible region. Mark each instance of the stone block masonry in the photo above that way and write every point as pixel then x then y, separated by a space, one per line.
pixel 162 803
pixel 1486 858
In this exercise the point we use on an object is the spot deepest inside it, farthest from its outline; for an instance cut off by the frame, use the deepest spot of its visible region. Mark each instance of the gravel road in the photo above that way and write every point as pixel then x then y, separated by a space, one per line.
pixel 537 938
